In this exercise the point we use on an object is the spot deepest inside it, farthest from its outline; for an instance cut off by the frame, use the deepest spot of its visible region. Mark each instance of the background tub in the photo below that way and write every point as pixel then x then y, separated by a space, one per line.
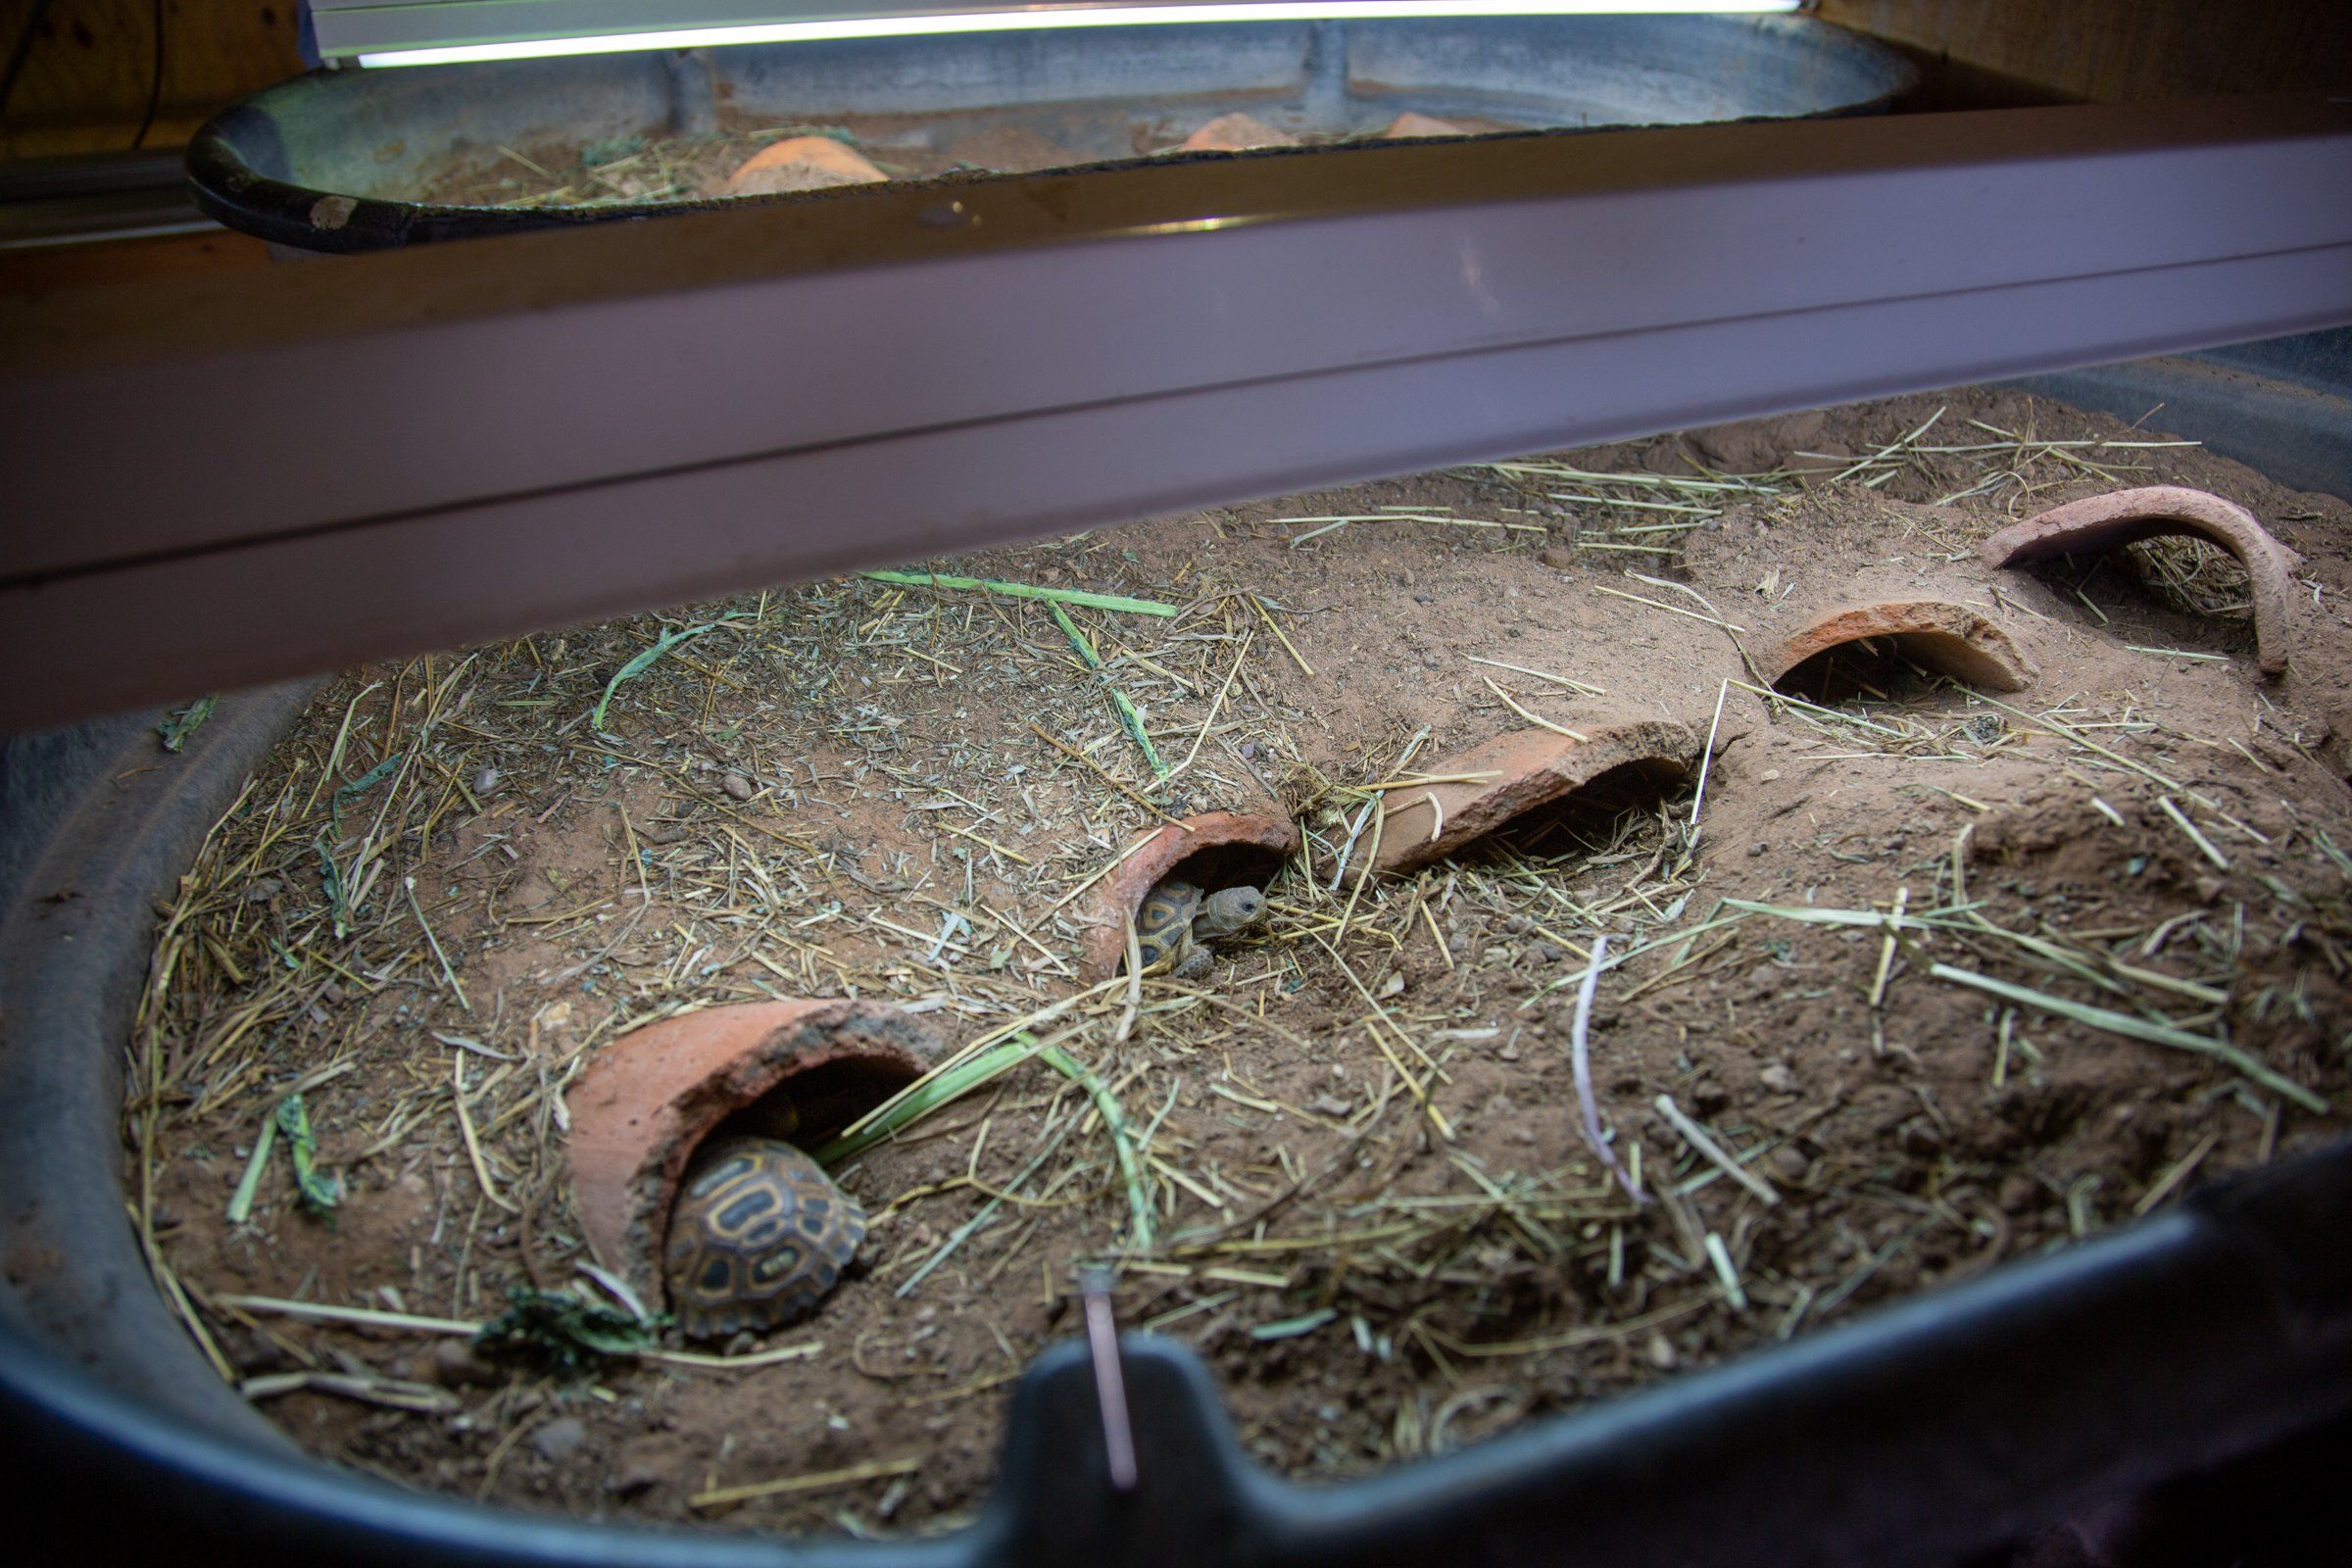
pixel 381 140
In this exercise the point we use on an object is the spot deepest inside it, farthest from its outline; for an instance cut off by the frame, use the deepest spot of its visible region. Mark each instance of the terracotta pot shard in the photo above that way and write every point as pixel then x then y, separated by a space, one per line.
pixel 1952 637
pixel 2098 523
pixel 650 1099
pixel 1521 769
pixel 1414 123
pixel 1218 849
pixel 803 162
pixel 1235 132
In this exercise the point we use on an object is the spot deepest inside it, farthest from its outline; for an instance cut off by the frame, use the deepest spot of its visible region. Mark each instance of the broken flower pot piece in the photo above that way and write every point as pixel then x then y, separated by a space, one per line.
pixel 1517 771
pixel 1235 132
pixel 1945 636
pixel 1211 853
pixel 1414 124
pixel 803 162
pixel 784 1073
pixel 1841 600
pixel 2100 523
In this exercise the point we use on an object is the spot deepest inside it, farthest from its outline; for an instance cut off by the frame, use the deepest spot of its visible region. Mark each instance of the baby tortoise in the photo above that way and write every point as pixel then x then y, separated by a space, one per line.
pixel 1179 922
pixel 759 1236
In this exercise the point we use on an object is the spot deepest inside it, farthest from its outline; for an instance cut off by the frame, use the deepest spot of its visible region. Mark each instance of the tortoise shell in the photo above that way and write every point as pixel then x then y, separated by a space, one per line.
pixel 1163 923
pixel 759 1236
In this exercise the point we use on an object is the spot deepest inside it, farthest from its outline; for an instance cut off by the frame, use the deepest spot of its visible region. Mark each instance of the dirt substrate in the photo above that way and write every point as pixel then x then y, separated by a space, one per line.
pixel 566 171
pixel 1370 1209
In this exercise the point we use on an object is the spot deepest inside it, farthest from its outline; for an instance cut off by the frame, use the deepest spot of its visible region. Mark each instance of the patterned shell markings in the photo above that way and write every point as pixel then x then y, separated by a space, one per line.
pixel 1164 922
pixel 759 1236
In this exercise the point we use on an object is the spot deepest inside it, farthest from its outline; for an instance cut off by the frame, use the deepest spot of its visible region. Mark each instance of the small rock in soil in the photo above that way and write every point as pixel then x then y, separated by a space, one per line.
pixel 1669 458
pixel 254 1352
pixel 1820 463
pixel 1795 431
pixel 456 1365
pixel 643 1464
pixel 1742 448
pixel 560 1439
pixel 1922 1138
pixel 737 786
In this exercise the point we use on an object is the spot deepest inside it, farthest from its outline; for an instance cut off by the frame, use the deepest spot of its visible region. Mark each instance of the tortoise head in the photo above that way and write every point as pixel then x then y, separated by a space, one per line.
pixel 1228 911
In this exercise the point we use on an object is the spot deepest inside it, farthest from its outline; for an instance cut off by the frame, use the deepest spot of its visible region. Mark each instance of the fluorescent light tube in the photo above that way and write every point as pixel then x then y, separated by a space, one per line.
pixel 1051 17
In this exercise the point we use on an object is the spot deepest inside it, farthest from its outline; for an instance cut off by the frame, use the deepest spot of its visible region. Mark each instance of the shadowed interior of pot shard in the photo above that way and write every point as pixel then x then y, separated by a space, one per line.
pixel 2194 592
pixel 812 1107
pixel 1592 817
pixel 1228 865
pixel 1900 667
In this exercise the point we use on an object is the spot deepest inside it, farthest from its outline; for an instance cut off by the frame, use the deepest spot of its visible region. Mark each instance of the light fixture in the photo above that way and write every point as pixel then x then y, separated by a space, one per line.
pixel 429 33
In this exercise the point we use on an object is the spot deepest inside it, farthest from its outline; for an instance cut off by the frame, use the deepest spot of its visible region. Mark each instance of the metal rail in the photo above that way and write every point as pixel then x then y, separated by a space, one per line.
pixel 226 480
pixel 391 33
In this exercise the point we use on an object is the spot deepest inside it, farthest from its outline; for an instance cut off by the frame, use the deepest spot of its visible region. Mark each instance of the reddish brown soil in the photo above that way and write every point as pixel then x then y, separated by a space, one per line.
pixel 1913 1143
pixel 568 171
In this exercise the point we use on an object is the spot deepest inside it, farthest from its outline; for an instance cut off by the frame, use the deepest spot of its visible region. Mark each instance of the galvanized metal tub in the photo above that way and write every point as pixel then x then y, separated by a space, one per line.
pixel 350 159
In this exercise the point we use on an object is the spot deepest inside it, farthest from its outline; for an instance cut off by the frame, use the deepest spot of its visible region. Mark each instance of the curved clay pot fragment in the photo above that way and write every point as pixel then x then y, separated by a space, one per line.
pixel 2100 523
pixel 1524 769
pixel 802 1069
pixel 1941 634
pixel 803 162
pixel 1235 132
pixel 1218 849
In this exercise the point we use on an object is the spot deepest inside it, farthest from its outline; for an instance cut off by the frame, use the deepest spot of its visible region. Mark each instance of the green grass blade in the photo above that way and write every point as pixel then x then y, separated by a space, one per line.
pixel 1114 1122
pixel 646 659
pixel 240 1202
pixel 921 1098
pixel 2123 1023
pixel 1290 1328
pixel 182 722
pixel 320 1193
pixel 1022 590
pixel 1132 719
